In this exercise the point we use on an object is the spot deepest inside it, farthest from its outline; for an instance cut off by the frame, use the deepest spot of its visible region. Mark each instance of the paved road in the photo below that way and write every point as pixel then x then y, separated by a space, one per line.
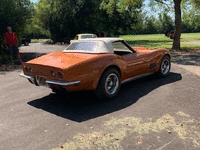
pixel 37 49
pixel 42 48
pixel 148 113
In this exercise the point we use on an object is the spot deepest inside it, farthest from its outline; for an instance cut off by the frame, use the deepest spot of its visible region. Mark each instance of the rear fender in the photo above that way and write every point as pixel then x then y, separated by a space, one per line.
pixel 116 63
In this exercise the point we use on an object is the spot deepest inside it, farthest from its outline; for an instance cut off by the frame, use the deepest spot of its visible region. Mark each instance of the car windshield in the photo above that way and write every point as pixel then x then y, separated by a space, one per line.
pixel 88 36
pixel 84 46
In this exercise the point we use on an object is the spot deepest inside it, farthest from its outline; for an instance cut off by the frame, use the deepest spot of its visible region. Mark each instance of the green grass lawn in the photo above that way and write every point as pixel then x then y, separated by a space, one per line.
pixel 152 41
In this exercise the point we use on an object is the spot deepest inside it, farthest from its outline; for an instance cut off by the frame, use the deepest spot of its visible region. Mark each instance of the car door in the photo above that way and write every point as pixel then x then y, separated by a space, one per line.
pixel 135 63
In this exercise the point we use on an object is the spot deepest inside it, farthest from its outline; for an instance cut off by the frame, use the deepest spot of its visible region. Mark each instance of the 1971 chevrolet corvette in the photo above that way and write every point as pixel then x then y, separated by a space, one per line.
pixel 99 64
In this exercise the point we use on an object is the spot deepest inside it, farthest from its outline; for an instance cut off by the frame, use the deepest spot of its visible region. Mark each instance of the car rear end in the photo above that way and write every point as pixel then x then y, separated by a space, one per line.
pixel 49 76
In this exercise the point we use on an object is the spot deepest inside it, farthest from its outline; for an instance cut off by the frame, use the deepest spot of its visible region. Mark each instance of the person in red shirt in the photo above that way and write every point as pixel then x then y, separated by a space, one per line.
pixel 11 43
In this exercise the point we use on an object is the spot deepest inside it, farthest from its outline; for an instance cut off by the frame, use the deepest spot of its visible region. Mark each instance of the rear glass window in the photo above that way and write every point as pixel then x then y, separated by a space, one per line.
pixel 84 46
pixel 88 36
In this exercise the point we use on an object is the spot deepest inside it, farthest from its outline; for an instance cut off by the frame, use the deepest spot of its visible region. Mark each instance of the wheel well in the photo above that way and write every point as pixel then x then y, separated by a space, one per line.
pixel 167 55
pixel 164 56
pixel 113 66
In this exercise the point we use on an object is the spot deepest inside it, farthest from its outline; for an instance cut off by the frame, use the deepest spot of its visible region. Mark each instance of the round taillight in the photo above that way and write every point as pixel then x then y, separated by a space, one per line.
pixel 53 74
pixel 60 75
pixel 26 69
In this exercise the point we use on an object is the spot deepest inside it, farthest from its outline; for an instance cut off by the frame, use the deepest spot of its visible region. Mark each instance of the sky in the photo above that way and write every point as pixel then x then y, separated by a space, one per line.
pixel 34 1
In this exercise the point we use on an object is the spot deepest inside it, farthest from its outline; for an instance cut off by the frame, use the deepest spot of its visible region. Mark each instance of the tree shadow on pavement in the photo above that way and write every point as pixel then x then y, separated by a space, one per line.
pixel 186 58
pixel 82 106
pixel 29 56
pixel 17 65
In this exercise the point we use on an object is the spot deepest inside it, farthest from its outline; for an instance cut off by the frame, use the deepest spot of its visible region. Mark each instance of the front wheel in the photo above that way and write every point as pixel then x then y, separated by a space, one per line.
pixel 165 66
pixel 109 84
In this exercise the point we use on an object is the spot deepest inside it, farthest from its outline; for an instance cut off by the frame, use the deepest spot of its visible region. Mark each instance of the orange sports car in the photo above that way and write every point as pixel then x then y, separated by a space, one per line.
pixel 99 64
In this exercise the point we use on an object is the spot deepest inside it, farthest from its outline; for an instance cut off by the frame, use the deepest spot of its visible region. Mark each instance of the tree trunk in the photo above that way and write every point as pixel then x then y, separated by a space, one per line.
pixel 177 32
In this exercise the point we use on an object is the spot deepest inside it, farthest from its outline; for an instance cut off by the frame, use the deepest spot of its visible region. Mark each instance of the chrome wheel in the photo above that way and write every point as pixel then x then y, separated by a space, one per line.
pixel 112 83
pixel 165 66
pixel 109 84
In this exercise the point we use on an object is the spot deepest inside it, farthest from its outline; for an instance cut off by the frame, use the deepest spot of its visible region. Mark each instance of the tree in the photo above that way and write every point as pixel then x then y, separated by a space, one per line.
pixel 65 18
pixel 150 25
pixel 165 23
pixel 14 13
pixel 177 33
pixel 121 14
pixel 190 17
pixel 178 15
pixel 177 11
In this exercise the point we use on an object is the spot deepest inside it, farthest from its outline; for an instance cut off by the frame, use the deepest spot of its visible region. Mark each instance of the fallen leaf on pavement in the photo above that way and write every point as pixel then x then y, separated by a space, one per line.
pixel 62 146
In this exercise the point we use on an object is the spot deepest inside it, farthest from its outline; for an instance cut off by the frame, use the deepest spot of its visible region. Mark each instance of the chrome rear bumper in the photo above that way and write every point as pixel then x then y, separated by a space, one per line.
pixel 30 78
pixel 49 82
pixel 62 83
pixel 26 76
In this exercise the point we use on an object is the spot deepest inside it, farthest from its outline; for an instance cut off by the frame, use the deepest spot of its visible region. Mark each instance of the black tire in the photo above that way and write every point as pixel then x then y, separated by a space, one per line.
pixel 26 44
pixel 109 84
pixel 59 91
pixel 165 66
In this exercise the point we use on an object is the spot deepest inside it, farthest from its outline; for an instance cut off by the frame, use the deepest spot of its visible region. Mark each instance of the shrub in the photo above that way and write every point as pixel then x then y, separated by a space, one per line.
pixel 4 57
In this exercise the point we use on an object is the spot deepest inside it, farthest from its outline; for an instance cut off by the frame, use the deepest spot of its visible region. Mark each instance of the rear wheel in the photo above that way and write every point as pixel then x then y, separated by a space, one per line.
pixel 59 92
pixel 165 66
pixel 109 84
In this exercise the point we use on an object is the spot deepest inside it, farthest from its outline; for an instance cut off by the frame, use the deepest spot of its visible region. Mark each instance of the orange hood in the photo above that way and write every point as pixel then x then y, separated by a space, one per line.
pixel 62 60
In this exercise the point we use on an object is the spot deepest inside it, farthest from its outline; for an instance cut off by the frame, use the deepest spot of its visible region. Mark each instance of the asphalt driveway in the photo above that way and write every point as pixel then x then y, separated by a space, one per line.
pixel 149 113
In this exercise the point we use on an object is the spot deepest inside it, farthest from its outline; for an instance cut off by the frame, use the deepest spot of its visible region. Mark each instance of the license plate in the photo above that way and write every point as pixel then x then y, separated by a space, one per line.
pixel 41 79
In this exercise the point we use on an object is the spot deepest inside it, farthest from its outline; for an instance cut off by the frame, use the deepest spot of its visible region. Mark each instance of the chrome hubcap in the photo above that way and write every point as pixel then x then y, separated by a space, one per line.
pixel 165 66
pixel 112 83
